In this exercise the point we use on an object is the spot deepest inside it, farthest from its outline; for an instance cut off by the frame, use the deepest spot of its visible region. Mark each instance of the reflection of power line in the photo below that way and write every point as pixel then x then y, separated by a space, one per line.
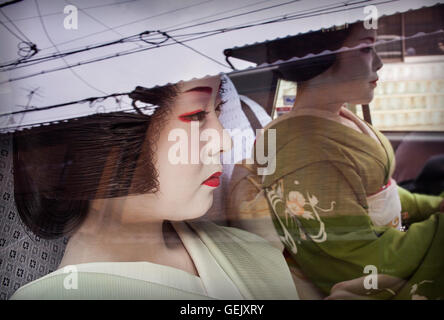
pixel 10 31
pixel 197 51
pixel 186 27
pixel 50 40
pixel 173 26
pixel 26 48
pixel 261 67
pixel 144 37
pixel 196 37
pixel 15 26
pixel 86 8
pixel 119 54
pixel 325 7
pixel 64 104
pixel 233 16
pixel 128 39
pixel 216 14
pixel 130 23
pixel 100 22
pixel 307 11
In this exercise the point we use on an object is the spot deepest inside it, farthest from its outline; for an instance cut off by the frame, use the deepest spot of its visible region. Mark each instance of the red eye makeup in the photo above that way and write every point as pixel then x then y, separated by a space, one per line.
pixel 196 115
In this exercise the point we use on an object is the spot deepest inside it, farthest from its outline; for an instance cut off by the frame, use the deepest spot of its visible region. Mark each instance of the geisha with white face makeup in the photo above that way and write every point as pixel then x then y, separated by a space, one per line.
pixel 110 183
pixel 190 185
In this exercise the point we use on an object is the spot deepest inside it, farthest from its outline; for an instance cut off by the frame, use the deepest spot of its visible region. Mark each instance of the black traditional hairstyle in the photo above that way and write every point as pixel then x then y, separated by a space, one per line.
pixel 59 168
pixel 315 42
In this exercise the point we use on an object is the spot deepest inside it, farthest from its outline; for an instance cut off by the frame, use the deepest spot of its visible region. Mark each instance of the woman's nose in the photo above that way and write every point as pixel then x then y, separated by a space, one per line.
pixel 225 141
pixel 377 62
pixel 222 140
pixel 215 141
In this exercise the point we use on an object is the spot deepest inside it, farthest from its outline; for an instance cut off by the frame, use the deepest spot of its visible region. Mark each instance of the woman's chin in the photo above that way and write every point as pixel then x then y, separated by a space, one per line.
pixel 199 208
pixel 362 100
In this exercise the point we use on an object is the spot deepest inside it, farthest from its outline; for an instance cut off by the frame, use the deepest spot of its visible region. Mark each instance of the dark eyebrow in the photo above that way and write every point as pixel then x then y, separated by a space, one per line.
pixel 208 90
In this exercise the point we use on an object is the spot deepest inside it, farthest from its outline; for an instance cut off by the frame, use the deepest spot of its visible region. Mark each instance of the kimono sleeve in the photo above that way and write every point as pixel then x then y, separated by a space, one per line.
pixel 321 216
pixel 418 206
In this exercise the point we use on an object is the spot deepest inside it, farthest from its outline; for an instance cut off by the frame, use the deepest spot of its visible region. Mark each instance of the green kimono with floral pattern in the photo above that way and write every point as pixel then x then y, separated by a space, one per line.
pixel 317 195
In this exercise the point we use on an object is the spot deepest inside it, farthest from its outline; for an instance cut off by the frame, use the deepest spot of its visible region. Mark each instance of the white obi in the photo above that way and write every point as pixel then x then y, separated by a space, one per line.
pixel 385 206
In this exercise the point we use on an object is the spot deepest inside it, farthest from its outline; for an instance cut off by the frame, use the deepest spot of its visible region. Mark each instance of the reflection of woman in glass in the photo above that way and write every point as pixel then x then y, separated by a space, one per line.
pixel 333 201
pixel 110 182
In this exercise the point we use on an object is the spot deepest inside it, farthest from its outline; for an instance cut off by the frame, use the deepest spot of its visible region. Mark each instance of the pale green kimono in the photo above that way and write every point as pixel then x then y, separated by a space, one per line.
pixel 232 264
pixel 318 197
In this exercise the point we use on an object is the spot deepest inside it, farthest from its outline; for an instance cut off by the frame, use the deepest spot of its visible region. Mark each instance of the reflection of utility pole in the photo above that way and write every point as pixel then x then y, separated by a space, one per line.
pixel 402 37
pixel 30 95
pixel 8 3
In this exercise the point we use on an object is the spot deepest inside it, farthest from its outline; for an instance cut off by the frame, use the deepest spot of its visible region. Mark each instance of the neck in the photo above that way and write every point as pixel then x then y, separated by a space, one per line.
pixel 105 236
pixel 319 97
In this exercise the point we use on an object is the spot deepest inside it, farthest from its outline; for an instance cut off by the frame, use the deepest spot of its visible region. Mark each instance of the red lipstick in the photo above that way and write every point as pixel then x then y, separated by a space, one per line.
pixel 374 82
pixel 213 180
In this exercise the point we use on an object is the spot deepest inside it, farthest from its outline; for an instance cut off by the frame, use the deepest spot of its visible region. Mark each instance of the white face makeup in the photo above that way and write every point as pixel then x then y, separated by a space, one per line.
pixel 354 73
pixel 185 189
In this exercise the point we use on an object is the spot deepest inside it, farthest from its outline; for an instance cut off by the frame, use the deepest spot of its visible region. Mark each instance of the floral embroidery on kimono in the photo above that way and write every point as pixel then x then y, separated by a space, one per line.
pixel 297 207
pixel 318 198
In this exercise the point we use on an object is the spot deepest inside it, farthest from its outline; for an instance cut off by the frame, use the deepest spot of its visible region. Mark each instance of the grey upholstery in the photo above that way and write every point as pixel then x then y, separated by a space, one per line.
pixel 23 256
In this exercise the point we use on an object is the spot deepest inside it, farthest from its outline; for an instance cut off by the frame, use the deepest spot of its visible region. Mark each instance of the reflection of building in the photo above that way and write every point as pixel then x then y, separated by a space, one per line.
pixel 410 93
pixel 285 97
pixel 410 96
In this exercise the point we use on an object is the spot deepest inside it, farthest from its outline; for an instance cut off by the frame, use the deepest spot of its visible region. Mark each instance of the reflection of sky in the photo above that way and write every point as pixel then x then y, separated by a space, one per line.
pixel 148 68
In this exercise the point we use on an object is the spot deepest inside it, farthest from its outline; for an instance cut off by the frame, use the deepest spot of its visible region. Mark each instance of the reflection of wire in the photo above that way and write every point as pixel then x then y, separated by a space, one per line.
pixel 50 40
pixel 141 36
pixel 234 16
pixel 164 13
pixel 87 8
pixel 119 54
pixel 130 23
pixel 13 24
pixel 216 14
pixel 186 27
pixel 196 51
pixel 89 100
pixel 148 108
pixel 26 48
pixel 100 22
pixel 318 9
pixel 203 34
pixel 263 66
pixel 10 31
pixel 161 40
pixel 59 54
pixel 260 67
